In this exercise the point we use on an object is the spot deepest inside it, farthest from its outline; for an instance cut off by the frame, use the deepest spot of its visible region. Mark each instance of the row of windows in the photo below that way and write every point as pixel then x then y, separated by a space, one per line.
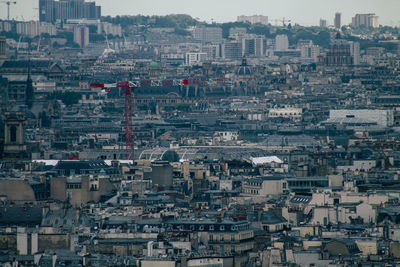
pixel 221 237
pixel 74 186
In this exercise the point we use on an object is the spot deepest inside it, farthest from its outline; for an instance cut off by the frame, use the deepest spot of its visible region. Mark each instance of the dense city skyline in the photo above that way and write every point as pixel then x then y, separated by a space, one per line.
pixel 298 11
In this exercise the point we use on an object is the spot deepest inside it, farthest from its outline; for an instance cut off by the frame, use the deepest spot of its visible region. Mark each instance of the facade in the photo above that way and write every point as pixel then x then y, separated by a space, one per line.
pixel 339 54
pixel 294 114
pixel 35 28
pixel 338 20
pixel 109 28
pixel 195 58
pixel 3 49
pixel 15 146
pixel 265 186
pixel 253 19
pixel 80 189
pixel 254 46
pixel 365 20
pixel 383 118
pixel 355 52
pixel 232 50
pixel 51 10
pixel 310 52
pixel 208 34
pixel 281 42
pixel 81 36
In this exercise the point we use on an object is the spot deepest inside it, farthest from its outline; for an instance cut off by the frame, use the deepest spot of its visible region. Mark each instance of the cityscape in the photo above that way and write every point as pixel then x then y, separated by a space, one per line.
pixel 173 141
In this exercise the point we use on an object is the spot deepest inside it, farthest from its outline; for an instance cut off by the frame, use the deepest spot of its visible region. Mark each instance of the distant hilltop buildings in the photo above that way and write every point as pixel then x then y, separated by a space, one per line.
pixel 51 10
pixel 365 20
pixel 253 19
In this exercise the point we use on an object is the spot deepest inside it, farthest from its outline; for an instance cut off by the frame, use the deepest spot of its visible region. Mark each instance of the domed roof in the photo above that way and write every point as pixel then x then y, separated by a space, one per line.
pixel 170 156
pixel 244 69
pixel 153 64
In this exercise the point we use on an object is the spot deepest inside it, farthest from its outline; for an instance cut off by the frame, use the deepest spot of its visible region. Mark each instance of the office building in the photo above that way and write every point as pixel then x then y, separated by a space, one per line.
pixel 195 58
pixel 51 10
pixel 35 28
pixel 253 19
pixel 365 20
pixel 281 42
pixel 323 23
pixel 3 50
pixel 81 36
pixel 232 50
pixel 338 20
pixel 254 46
pixel 236 32
pixel 355 52
pixel 208 34
pixel 310 52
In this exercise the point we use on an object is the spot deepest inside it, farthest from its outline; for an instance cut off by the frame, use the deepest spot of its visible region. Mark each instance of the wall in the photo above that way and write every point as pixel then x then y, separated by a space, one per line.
pixel 17 190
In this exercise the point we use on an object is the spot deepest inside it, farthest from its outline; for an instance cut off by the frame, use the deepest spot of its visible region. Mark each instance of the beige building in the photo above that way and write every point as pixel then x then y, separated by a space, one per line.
pixel 80 189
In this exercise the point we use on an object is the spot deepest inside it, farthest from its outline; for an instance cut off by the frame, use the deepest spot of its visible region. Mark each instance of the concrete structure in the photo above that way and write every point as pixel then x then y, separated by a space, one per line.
pixel 81 36
pixel 51 10
pixel 281 42
pixel 208 34
pixel 338 20
pixel 365 20
pixel 294 114
pixel 3 49
pixel 383 118
pixel 232 50
pixel 195 58
pixel 79 190
pixel 265 186
pixel 253 19
pixel 355 52
pixel 161 173
pixel 310 52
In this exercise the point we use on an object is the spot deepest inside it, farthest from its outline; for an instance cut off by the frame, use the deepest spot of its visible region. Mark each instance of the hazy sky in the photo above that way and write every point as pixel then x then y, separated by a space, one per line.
pixel 304 12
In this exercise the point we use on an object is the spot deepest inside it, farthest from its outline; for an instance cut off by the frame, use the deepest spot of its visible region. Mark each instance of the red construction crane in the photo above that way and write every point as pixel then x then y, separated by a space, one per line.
pixel 129 87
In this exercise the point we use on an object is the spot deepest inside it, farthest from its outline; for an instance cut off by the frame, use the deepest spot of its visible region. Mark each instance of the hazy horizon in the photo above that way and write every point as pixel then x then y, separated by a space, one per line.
pixel 307 12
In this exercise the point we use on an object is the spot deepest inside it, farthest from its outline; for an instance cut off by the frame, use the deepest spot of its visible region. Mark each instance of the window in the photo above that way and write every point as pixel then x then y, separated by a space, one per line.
pixel 13 133
pixel 232 237
pixel 221 238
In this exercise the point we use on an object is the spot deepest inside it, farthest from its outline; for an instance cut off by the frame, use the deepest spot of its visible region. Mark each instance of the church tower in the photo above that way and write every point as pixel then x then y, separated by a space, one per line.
pixel 15 146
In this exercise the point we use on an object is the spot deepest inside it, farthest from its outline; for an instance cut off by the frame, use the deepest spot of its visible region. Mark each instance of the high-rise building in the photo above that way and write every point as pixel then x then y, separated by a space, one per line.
pixel 355 52
pixel 254 46
pixel 208 34
pixel 338 20
pixel 310 52
pixel 3 51
pixel 253 19
pixel 52 10
pixel 366 20
pixel 281 42
pixel 232 50
pixel 81 36
pixel 323 23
